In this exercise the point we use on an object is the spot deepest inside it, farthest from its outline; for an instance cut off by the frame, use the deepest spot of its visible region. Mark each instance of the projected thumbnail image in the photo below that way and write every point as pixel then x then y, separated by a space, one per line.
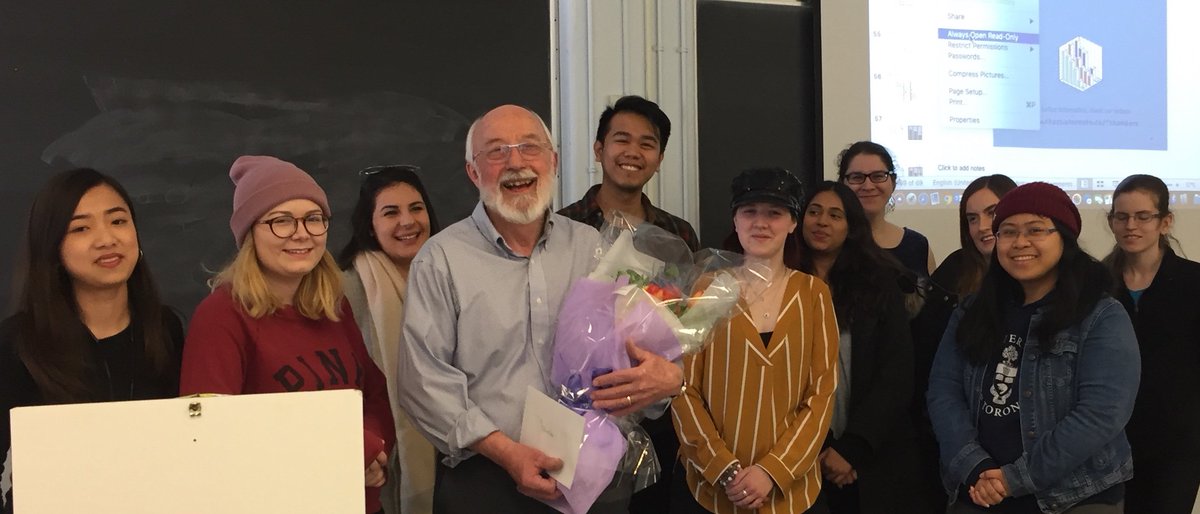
pixel 1104 78
pixel 1080 64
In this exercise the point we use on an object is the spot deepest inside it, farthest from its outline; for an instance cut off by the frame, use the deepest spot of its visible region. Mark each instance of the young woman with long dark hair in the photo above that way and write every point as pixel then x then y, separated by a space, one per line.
pixel 89 325
pixel 869 457
pixel 1036 376
pixel 1157 288
pixel 958 276
pixel 391 221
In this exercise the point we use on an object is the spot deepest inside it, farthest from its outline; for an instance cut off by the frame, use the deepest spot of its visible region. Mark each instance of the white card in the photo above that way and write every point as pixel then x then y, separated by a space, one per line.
pixel 553 429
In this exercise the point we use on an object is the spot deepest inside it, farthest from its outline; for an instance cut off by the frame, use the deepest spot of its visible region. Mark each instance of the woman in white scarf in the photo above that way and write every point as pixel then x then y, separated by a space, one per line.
pixel 392 219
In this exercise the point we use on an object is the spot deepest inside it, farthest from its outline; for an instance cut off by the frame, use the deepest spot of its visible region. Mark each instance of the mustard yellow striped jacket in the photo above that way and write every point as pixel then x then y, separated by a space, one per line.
pixel 767 405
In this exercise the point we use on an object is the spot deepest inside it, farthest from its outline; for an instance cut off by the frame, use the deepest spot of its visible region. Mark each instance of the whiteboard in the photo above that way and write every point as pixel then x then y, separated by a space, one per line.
pixel 282 452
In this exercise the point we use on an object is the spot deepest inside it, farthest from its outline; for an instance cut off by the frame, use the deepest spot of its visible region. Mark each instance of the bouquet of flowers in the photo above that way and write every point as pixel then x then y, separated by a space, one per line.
pixel 647 288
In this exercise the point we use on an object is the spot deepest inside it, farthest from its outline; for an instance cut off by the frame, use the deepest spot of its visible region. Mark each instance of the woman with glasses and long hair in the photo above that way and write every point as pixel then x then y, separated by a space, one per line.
pixel 867 169
pixel 391 221
pixel 869 457
pixel 1036 375
pixel 758 399
pixel 956 277
pixel 276 320
pixel 1157 288
pixel 89 325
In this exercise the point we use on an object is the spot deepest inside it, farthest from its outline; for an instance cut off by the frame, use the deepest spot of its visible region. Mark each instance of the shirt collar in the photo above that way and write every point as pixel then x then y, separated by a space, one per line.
pixel 480 217
pixel 595 212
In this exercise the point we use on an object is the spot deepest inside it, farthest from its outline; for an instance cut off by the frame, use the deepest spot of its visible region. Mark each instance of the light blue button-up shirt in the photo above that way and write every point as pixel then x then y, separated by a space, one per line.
pixel 479 327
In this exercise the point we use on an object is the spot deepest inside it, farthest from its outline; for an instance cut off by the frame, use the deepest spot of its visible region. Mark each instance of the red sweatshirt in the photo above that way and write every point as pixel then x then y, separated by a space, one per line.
pixel 229 352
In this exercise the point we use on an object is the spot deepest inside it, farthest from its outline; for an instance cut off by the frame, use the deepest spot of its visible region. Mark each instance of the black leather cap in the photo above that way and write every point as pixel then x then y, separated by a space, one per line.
pixel 774 185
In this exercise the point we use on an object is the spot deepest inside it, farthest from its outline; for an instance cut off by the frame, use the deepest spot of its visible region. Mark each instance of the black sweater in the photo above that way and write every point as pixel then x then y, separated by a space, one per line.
pixel 120 373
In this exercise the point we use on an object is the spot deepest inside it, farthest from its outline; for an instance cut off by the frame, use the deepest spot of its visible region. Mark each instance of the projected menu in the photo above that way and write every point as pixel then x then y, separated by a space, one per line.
pixel 990 64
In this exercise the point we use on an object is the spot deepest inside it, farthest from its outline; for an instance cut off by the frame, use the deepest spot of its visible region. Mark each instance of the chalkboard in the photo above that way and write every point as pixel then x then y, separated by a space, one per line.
pixel 758 97
pixel 164 95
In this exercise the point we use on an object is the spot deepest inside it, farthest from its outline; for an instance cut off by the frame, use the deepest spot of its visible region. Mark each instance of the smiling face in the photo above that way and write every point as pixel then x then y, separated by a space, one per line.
pixel 980 210
pixel 630 153
pixel 825 225
pixel 763 228
pixel 286 260
pixel 100 248
pixel 1135 236
pixel 400 222
pixel 518 188
pixel 1031 262
pixel 874 197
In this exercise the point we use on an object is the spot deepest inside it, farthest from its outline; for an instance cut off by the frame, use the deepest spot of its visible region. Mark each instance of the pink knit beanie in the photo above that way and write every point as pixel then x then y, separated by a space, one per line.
pixel 261 182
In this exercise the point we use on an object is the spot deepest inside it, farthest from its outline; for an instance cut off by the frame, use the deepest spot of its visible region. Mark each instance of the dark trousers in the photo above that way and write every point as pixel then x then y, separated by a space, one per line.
pixel 478 485
pixel 1162 486
pixel 656 499
pixel 841 500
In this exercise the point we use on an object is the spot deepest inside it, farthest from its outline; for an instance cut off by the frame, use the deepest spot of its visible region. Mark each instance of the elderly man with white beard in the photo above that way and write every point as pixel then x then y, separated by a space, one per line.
pixel 482 303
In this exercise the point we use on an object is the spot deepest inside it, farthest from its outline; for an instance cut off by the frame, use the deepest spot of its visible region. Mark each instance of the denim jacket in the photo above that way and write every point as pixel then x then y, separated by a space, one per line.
pixel 1075 401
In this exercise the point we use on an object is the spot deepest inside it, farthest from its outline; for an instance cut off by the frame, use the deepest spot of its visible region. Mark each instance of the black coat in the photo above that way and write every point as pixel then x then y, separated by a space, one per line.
pixel 878 440
pixel 1166 416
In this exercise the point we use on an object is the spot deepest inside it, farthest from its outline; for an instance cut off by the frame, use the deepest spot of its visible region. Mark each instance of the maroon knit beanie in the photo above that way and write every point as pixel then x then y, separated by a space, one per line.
pixel 1042 199
pixel 261 182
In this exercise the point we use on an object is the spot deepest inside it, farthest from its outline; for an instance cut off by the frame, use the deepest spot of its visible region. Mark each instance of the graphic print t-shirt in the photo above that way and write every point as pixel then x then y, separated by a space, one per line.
pixel 1000 410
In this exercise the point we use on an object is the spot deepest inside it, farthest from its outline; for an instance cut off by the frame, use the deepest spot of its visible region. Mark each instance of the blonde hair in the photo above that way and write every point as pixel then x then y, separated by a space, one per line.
pixel 319 295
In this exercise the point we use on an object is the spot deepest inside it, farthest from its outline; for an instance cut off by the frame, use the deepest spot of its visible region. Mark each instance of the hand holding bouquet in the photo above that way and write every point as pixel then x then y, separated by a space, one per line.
pixel 649 289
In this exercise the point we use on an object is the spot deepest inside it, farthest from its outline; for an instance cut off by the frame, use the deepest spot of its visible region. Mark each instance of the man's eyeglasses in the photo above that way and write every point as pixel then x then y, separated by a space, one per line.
pixel 1140 217
pixel 1009 234
pixel 877 177
pixel 371 170
pixel 500 153
pixel 286 226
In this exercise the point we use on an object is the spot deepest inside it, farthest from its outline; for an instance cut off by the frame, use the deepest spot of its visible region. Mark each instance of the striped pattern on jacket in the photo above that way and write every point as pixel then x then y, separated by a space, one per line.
pixel 768 405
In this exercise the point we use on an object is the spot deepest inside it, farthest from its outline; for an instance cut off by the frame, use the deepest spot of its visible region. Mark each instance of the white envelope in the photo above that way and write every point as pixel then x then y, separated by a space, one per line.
pixel 553 429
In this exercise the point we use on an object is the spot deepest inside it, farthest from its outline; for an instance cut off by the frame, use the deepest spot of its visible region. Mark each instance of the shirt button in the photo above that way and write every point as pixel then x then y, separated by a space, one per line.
pixel 538 300
pixel 1029 393
pixel 1031 434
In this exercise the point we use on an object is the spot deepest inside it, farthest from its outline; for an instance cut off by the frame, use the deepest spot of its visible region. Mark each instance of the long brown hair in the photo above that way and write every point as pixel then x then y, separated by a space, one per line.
pixel 52 341
pixel 976 263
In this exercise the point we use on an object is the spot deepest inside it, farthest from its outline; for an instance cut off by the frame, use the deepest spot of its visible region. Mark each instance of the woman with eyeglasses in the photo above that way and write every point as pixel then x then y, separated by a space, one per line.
pixel 868 169
pixel 276 320
pixel 89 325
pixel 958 276
pixel 869 457
pixel 391 221
pixel 758 399
pixel 1036 375
pixel 1158 289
